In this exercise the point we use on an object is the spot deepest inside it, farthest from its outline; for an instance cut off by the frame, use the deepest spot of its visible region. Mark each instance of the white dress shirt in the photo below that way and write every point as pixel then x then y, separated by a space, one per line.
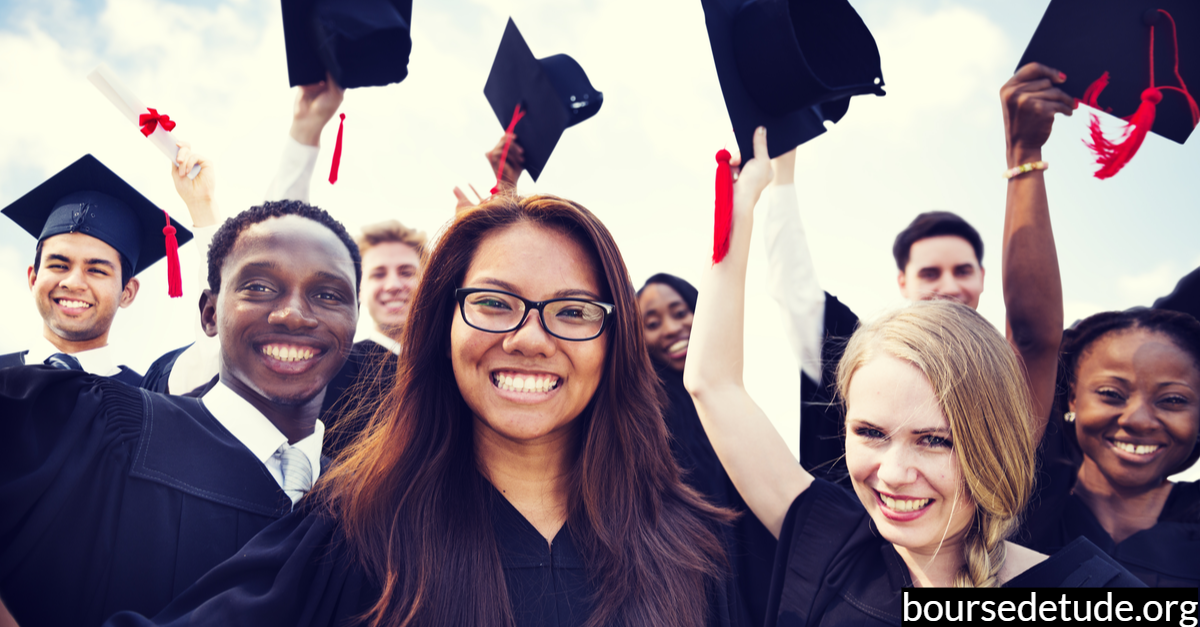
pixel 96 361
pixel 384 341
pixel 791 279
pixel 258 433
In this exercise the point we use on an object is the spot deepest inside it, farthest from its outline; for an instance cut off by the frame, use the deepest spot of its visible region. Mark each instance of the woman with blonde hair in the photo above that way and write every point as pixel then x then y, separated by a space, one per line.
pixel 940 447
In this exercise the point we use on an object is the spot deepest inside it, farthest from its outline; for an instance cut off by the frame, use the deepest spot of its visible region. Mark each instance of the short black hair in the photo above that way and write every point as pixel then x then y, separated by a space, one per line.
pixel 227 235
pixel 686 290
pixel 126 267
pixel 933 224
pixel 1181 328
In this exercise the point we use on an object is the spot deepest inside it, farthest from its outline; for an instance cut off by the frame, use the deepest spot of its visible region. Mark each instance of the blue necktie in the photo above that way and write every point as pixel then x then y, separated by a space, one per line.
pixel 63 361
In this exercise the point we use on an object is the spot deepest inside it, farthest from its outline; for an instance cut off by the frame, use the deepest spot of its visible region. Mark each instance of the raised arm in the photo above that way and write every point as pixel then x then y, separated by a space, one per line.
pixel 1032 285
pixel 791 279
pixel 754 455
pixel 314 107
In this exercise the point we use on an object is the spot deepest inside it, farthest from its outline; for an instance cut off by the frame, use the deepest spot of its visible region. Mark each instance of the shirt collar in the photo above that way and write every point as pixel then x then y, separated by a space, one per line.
pixel 95 361
pixel 254 430
pixel 384 341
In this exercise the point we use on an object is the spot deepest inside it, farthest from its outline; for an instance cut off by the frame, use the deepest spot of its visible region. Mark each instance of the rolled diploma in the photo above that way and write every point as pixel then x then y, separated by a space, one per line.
pixel 132 108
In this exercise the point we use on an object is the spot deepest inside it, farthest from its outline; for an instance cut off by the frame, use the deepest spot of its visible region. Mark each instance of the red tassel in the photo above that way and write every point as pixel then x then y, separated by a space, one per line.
pixel 508 132
pixel 1112 156
pixel 1092 93
pixel 174 276
pixel 337 152
pixel 723 218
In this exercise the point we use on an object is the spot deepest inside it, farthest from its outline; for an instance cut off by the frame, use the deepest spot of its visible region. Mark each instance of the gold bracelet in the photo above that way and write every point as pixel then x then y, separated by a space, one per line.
pixel 1028 167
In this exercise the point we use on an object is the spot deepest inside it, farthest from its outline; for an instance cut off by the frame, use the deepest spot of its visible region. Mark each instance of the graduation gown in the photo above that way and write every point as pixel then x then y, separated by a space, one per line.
pixel 299 573
pixel 113 498
pixel 1165 555
pixel 750 546
pixel 833 568
pixel 822 442
pixel 126 375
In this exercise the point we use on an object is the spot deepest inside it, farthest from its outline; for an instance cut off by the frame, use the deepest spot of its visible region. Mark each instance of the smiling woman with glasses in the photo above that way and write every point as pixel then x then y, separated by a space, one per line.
pixel 519 472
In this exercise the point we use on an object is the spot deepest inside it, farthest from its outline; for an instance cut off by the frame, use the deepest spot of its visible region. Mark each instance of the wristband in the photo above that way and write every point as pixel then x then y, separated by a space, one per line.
pixel 1028 167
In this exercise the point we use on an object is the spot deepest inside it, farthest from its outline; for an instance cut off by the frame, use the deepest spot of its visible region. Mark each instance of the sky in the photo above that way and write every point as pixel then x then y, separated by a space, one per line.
pixel 644 164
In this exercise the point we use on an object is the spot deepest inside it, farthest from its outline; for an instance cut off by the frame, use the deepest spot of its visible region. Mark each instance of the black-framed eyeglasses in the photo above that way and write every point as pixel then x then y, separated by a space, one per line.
pixel 497 311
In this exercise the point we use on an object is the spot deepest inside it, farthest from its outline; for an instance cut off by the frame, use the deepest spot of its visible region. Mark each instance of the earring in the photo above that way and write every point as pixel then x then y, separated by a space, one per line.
pixel 1069 416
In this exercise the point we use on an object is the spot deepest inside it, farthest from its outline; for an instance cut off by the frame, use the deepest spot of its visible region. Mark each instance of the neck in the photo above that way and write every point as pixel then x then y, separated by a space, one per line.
pixel 935 568
pixel 393 332
pixel 71 347
pixel 295 421
pixel 533 476
pixel 1121 511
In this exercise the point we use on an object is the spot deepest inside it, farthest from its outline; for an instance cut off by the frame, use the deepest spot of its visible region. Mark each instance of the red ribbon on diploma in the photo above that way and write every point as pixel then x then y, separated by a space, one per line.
pixel 150 121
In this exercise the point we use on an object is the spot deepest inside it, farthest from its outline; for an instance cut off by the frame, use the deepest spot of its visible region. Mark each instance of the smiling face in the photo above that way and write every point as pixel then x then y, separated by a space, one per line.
pixel 666 324
pixel 77 289
pixel 536 263
pixel 901 457
pixel 1137 404
pixel 942 267
pixel 390 272
pixel 286 321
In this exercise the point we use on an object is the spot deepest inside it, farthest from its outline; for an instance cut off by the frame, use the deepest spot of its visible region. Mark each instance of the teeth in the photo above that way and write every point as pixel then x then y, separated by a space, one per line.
pixel 525 383
pixel 1137 449
pixel 677 346
pixel 907 505
pixel 74 304
pixel 287 353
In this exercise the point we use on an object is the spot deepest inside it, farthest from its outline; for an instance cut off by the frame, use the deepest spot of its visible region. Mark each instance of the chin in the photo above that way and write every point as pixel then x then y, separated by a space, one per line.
pixel 297 399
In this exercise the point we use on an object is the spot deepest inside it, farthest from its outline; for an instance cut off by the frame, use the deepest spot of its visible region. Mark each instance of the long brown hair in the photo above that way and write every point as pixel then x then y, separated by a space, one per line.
pixel 415 509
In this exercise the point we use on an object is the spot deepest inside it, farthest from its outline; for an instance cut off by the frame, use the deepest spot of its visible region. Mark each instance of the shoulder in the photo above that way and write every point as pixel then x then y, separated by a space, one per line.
pixel 1018 560
pixel 160 371
pixel 1080 564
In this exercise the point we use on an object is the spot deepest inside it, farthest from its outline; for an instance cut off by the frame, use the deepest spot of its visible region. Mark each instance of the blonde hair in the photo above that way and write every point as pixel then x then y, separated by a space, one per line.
pixel 981 389
pixel 391 231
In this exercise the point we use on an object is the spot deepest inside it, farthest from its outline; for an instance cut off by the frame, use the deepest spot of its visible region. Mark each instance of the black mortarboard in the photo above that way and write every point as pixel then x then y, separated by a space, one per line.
pixel 362 43
pixel 88 198
pixel 1087 38
pixel 554 94
pixel 789 65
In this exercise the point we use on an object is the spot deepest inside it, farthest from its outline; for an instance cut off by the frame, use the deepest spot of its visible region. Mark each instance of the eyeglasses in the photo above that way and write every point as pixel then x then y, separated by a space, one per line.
pixel 495 311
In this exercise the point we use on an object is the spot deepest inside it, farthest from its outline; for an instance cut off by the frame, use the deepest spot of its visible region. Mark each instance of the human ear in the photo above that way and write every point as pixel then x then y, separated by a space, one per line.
pixel 208 313
pixel 129 292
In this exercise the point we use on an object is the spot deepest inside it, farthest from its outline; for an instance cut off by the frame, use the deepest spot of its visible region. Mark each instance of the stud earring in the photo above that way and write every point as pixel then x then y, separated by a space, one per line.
pixel 1069 416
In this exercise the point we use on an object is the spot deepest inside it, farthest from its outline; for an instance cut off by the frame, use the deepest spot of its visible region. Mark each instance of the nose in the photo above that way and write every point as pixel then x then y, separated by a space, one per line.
pixel 294 314
pixel 73 279
pixel 671 326
pixel 948 286
pixel 530 339
pixel 1138 417
pixel 393 281
pixel 896 466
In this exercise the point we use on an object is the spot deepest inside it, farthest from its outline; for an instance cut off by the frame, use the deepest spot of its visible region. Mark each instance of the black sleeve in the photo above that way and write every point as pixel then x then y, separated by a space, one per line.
pixel 822 443
pixel 295 572
pixel 159 373
pixel 1185 298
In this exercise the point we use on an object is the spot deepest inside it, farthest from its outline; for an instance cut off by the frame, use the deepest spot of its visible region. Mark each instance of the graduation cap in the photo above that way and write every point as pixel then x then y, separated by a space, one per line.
pixel 362 43
pixel 789 65
pixel 1132 58
pixel 553 94
pixel 86 197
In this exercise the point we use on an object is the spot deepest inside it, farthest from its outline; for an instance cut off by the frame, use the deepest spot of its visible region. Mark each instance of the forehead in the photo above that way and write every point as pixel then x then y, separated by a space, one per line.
pixel 391 254
pixel 658 295
pixel 79 246
pixel 941 251
pixel 1140 351
pixel 892 393
pixel 538 259
pixel 293 240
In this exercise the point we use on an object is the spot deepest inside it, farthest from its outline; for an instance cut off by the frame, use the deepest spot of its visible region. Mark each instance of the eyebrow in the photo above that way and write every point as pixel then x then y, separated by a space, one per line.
pixel 94 262
pixel 567 293
pixel 925 431
pixel 333 277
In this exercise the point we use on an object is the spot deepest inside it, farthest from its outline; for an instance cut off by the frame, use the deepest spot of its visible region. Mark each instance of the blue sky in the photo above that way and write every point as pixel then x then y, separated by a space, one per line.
pixel 644 163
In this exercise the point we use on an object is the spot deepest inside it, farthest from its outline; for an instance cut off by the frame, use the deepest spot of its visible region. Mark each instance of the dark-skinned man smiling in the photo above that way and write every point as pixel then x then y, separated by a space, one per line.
pixel 114 498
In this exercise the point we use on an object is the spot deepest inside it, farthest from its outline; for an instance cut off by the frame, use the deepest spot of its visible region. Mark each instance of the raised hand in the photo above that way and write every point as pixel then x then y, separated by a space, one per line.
pixel 514 163
pixel 199 193
pixel 315 106
pixel 1030 100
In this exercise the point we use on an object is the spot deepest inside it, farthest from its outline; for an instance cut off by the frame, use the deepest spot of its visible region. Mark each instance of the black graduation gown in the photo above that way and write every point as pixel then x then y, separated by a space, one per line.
pixel 1165 555
pixel 750 546
pixel 299 573
pixel 833 568
pixel 125 374
pixel 355 390
pixel 113 498
pixel 822 443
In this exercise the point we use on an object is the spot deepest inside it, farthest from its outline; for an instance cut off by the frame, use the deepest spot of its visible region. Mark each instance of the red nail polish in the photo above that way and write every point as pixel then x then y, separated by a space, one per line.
pixel 1062 76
